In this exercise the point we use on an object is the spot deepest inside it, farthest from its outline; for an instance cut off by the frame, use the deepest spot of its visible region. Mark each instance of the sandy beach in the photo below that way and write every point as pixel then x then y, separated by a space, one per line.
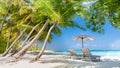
pixel 56 60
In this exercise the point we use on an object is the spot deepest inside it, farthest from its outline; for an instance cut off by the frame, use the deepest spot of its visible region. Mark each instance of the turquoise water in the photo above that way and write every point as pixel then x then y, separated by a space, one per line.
pixel 100 52
pixel 104 52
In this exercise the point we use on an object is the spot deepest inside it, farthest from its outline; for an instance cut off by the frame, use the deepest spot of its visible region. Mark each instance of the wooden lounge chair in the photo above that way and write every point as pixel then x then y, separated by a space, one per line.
pixel 88 56
pixel 74 55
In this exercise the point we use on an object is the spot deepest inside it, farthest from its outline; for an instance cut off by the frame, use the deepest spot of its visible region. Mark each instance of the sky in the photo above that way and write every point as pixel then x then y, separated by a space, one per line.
pixel 110 40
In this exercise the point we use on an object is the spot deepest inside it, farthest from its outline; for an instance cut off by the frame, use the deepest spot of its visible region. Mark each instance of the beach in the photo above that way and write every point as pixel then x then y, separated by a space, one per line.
pixel 57 60
pixel 60 33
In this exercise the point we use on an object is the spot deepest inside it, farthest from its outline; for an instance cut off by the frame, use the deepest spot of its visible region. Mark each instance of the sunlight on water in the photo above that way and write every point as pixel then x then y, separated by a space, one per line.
pixel 109 53
pixel 104 52
pixel 100 52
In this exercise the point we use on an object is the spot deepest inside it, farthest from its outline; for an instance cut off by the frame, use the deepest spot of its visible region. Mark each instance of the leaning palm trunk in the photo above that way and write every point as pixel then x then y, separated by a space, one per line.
pixel 8 41
pixel 3 21
pixel 19 55
pixel 13 44
pixel 31 38
pixel 18 49
pixel 44 45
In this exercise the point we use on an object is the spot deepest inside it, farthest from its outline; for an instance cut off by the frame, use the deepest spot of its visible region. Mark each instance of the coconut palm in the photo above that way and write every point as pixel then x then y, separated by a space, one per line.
pixel 26 47
pixel 50 14
pixel 16 14
pixel 53 14
pixel 62 17
pixel 13 44
pixel 57 22
pixel 44 45
pixel 24 42
pixel 6 7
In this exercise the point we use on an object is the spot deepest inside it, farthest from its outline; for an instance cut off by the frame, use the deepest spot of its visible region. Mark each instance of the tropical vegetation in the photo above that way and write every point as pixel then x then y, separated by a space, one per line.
pixel 33 20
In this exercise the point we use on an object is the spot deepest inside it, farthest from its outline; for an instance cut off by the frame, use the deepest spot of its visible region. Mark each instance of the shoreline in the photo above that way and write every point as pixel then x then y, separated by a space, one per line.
pixel 53 60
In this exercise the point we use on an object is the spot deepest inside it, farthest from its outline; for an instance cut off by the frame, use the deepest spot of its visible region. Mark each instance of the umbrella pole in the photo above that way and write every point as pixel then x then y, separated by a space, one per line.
pixel 82 43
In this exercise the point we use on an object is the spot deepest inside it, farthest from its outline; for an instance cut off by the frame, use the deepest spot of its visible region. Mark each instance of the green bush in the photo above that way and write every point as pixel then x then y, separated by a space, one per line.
pixel 2 45
pixel 33 48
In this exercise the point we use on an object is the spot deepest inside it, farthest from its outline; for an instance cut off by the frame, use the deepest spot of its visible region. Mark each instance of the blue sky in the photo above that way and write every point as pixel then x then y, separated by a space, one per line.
pixel 110 40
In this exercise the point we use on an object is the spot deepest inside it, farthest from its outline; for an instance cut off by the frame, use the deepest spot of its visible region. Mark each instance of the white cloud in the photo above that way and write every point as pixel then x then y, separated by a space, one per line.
pixel 115 45
pixel 78 44
pixel 86 45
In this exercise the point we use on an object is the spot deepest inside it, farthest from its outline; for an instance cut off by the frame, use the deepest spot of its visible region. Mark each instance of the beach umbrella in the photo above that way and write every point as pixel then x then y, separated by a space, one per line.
pixel 83 38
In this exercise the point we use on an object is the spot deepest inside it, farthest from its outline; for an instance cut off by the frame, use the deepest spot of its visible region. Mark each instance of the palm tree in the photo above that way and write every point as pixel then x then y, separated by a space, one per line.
pixel 57 22
pixel 54 16
pixel 24 42
pixel 9 36
pixel 59 12
pixel 13 44
pixel 26 47
pixel 44 45
pixel 18 15
pixel 5 16
pixel 6 22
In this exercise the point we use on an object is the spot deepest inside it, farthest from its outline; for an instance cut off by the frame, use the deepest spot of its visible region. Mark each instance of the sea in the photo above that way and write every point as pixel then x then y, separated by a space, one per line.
pixel 109 59
pixel 98 52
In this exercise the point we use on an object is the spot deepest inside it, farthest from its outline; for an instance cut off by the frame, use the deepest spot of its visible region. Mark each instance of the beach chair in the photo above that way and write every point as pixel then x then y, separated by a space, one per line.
pixel 74 55
pixel 88 56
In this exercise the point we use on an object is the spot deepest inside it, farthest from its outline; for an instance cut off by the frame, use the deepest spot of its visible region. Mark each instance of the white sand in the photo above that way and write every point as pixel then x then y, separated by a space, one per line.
pixel 60 61
pixel 24 63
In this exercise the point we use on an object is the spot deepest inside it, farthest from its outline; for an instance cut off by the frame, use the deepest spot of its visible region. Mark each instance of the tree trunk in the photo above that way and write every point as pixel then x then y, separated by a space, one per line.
pixel 18 49
pixel 3 21
pixel 8 41
pixel 19 55
pixel 44 45
pixel 31 38
pixel 13 44
pixel 30 34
